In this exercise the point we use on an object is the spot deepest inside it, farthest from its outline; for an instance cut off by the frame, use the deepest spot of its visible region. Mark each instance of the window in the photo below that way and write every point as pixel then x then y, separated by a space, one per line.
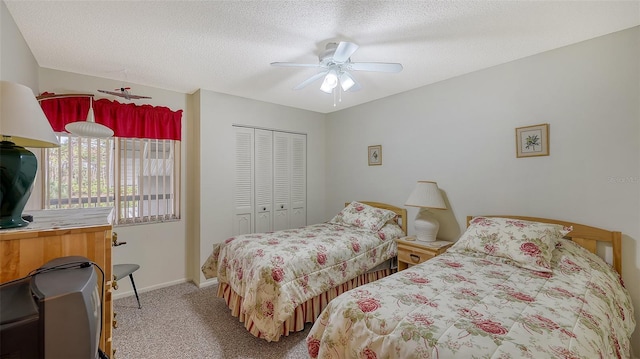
pixel 140 178
pixel 137 171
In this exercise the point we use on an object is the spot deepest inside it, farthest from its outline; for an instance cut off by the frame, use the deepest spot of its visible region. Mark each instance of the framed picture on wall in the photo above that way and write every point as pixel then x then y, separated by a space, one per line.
pixel 375 155
pixel 532 141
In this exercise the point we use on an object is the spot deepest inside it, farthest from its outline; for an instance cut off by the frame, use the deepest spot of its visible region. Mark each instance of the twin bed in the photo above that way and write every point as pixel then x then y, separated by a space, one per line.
pixel 276 282
pixel 511 287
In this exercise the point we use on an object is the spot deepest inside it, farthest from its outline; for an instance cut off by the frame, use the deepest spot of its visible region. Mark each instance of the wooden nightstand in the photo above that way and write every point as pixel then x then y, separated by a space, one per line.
pixel 411 252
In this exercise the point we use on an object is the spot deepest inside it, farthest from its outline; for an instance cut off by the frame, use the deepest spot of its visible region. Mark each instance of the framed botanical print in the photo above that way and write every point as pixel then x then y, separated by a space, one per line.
pixel 375 155
pixel 532 141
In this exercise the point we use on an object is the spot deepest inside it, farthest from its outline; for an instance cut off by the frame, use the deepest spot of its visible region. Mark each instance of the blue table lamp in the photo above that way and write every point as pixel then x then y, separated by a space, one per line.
pixel 22 124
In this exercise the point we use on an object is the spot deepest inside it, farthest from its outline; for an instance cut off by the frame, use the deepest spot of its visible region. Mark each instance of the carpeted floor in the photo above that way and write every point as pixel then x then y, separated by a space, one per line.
pixel 184 321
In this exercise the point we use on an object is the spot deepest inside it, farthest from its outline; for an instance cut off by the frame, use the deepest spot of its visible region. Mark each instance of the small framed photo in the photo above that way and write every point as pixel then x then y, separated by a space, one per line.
pixel 532 141
pixel 375 155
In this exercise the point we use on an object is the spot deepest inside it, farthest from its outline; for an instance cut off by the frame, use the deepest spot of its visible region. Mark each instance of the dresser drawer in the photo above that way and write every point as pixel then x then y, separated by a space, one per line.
pixel 412 255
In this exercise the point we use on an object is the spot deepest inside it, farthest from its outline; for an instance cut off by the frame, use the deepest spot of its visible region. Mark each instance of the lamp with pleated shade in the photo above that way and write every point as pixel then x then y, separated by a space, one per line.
pixel 426 195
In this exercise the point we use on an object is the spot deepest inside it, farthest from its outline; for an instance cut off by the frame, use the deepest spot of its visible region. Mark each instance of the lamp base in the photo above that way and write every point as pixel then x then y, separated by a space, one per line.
pixel 426 226
pixel 18 168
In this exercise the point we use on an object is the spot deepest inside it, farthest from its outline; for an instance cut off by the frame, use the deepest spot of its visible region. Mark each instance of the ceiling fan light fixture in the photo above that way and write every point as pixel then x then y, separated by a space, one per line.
pixel 330 82
pixel 346 81
pixel 335 67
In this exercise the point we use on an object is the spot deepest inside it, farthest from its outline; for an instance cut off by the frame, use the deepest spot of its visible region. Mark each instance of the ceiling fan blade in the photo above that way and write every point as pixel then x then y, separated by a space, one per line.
pixel 311 79
pixel 344 51
pixel 376 66
pixel 293 64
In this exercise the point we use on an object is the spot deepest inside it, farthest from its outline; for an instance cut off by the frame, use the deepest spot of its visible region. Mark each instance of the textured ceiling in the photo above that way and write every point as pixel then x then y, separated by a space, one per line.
pixel 227 46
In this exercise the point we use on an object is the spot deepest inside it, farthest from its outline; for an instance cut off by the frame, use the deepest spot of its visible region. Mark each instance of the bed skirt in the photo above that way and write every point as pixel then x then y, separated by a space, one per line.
pixel 306 312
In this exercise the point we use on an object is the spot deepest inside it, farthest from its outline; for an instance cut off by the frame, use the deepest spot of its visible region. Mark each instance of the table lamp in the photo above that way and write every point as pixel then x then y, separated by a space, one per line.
pixel 426 195
pixel 22 123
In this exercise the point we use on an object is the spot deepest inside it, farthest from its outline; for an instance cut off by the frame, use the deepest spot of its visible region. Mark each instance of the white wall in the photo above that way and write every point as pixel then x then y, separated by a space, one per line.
pixel 17 63
pixel 461 133
pixel 160 249
pixel 218 112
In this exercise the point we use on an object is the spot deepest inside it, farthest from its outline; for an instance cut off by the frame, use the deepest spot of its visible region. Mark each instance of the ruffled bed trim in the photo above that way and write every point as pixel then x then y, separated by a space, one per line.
pixel 306 312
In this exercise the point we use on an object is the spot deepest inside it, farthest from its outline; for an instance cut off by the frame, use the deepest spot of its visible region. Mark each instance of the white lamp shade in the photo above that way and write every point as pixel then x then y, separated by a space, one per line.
pixel 89 128
pixel 22 119
pixel 330 82
pixel 346 81
pixel 426 195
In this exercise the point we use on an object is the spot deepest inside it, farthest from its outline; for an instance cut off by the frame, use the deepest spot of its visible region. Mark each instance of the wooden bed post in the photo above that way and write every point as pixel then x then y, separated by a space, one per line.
pixel 616 242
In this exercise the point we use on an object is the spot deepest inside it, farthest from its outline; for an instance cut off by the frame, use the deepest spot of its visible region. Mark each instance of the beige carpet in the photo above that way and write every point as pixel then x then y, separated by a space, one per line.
pixel 184 321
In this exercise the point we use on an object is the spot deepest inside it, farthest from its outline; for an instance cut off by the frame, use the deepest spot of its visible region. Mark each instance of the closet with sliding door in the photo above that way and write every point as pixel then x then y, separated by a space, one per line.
pixel 270 187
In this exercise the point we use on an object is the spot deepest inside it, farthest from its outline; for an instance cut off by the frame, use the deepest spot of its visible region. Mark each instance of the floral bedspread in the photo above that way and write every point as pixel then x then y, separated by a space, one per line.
pixel 478 306
pixel 275 272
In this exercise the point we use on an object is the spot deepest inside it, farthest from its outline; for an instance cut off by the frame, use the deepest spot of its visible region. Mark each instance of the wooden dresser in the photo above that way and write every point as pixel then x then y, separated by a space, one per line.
pixel 58 233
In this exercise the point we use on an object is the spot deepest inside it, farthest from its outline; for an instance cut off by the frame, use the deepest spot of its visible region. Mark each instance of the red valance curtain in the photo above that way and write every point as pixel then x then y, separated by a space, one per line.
pixel 126 120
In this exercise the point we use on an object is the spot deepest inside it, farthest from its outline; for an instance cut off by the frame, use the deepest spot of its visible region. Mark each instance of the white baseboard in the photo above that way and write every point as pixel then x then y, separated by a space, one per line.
pixel 118 294
pixel 208 283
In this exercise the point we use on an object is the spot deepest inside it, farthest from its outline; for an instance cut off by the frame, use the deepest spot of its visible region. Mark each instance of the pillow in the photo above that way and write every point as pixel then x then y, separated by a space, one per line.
pixel 528 244
pixel 391 230
pixel 360 215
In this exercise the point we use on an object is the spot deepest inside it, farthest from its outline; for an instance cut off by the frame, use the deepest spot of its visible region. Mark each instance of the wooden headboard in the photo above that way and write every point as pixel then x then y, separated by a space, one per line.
pixel 401 213
pixel 586 236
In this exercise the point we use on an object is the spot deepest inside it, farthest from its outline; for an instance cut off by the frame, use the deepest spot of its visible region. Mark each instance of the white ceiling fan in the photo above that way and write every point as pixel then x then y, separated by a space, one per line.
pixel 335 66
